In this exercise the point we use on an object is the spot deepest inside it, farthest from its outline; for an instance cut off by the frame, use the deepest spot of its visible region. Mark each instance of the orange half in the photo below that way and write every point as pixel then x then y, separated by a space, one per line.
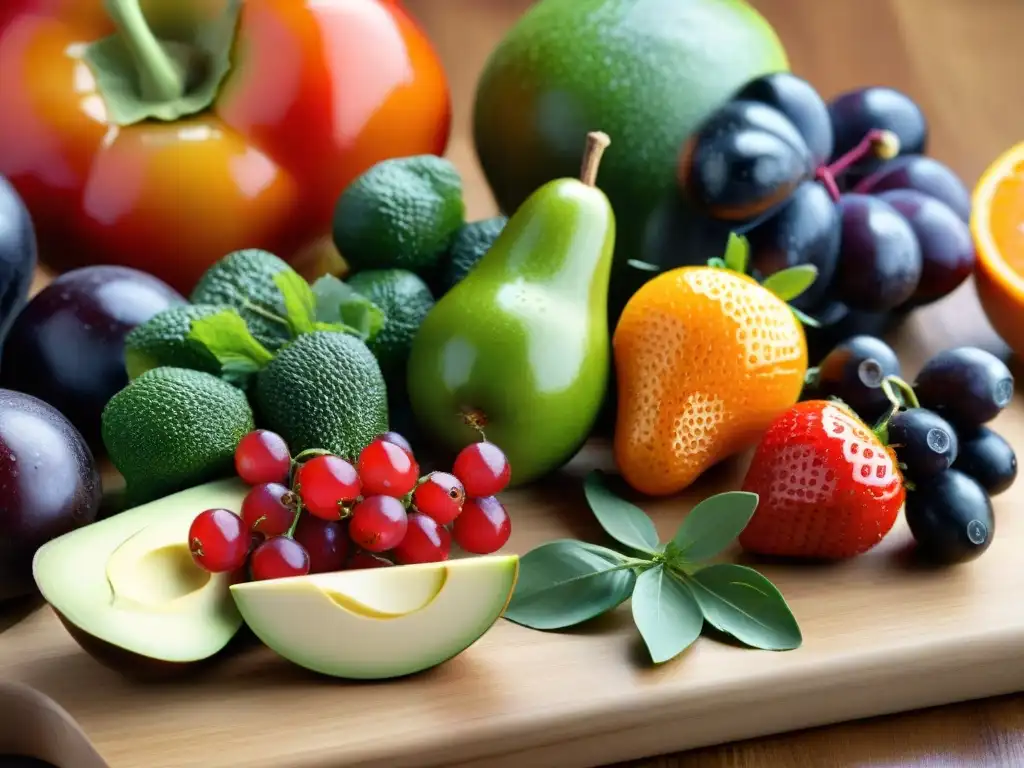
pixel 997 225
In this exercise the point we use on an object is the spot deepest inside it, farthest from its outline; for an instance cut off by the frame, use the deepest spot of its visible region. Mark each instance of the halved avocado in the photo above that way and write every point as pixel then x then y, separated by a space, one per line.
pixel 379 622
pixel 128 591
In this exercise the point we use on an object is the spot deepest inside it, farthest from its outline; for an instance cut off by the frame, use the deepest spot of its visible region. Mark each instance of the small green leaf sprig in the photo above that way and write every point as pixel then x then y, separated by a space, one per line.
pixel 674 592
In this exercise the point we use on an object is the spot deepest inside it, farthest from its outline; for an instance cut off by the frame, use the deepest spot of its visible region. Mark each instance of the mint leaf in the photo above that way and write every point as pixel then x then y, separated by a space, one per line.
pixel 226 336
pixel 339 303
pixel 563 583
pixel 666 613
pixel 791 282
pixel 299 301
pixel 713 524
pixel 804 318
pixel 737 253
pixel 624 522
pixel 741 602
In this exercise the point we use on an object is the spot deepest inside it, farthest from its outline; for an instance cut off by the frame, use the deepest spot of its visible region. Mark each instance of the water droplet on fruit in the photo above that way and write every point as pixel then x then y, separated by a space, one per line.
pixel 938 440
pixel 977 532
pixel 870 373
pixel 1004 392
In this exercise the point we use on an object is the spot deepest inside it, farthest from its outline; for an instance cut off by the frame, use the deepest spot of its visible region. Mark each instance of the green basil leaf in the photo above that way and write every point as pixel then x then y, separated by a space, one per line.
pixel 666 613
pixel 563 583
pixel 299 301
pixel 737 253
pixel 624 522
pixel 339 303
pixel 714 524
pixel 226 336
pixel 789 283
pixel 741 602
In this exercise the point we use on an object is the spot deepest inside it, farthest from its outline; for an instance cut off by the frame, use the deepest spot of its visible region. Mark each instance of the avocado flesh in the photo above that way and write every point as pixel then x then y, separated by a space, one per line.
pixel 128 583
pixel 379 623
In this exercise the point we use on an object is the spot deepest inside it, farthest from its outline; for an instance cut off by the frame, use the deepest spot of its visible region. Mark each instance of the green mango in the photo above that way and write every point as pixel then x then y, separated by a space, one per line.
pixel 520 347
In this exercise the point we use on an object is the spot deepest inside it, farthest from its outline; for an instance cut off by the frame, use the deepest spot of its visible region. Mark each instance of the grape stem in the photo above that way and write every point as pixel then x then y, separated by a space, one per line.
pixel 882 144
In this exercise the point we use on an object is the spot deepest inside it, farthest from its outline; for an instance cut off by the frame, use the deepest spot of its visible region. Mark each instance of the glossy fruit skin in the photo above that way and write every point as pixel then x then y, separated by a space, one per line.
pixel 378 523
pixel 367 560
pixel 853 372
pixel 67 345
pixel 839 323
pixel 440 496
pixel 279 558
pixel 424 542
pixel 706 359
pixel 950 518
pixel 483 469
pixel 484 526
pixel 924 442
pixel 806 230
pixel 966 385
pixel 49 484
pixel 386 469
pixel 987 457
pixel 522 341
pixel 17 255
pixel 818 498
pixel 799 101
pixel 326 542
pixel 880 259
pixel 924 174
pixel 856 112
pixel 397 439
pixel 219 540
pixel 261 168
pixel 667 79
pixel 264 510
pixel 262 456
pixel 744 160
pixel 325 484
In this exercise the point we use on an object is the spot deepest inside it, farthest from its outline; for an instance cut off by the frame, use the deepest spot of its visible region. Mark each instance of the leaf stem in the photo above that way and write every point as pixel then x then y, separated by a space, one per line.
pixel 256 309
pixel 892 384
pixel 160 77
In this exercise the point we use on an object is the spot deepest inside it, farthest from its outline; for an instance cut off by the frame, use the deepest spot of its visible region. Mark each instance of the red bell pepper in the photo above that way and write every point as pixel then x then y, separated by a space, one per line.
pixel 164 134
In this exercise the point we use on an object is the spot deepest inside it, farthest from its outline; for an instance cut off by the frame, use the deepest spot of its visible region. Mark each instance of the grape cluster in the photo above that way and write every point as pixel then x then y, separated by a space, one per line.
pixel 953 463
pixel 317 512
pixel 845 187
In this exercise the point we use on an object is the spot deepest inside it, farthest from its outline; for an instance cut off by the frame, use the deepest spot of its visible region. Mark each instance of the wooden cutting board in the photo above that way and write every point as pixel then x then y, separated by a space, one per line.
pixel 881 635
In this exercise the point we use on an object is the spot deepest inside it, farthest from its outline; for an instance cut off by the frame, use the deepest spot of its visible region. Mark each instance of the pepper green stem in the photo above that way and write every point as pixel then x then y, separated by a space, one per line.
pixel 161 78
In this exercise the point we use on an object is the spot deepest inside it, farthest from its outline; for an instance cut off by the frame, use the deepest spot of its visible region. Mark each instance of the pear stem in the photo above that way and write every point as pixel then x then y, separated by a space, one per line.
pixel 597 143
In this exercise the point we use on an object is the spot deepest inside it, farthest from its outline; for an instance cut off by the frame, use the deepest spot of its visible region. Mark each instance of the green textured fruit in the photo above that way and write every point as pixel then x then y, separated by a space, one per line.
pixel 243 279
pixel 405 300
pixel 644 72
pixel 163 341
pixel 324 390
pixel 471 242
pixel 401 213
pixel 173 428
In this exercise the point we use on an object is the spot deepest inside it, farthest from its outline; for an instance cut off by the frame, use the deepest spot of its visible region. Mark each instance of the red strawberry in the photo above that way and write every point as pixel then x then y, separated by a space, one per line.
pixel 828 487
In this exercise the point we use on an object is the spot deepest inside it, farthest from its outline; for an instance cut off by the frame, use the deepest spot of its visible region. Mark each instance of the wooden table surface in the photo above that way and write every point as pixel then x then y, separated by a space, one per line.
pixel 961 61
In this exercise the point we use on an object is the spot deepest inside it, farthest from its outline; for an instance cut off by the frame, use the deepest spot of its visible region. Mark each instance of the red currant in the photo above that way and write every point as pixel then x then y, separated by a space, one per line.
pixel 263 457
pixel 425 541
pixel 483 469
pixel 396 439
pixel 440 496
pixel 218 540
pixel 367 560
pixel 325 540
pixel 483 527
pixel 378 523
pixel 279 558
pixel 264 509
pixel 325 483
pixel 386 469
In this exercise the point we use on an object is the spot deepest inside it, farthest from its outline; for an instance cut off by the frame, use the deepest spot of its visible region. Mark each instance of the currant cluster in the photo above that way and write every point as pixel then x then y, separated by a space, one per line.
pixel 952 461
pixel 844 186
pixel 317 512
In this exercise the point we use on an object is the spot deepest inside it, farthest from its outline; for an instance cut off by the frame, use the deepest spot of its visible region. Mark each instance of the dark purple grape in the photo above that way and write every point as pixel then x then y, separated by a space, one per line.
pixel 17 254
pixel 805 231
pixel 947 248
pixel 797 99
pixel 923 173
pixel 49 485
pixel 67 345
pixel 950 517
pixel 924 442
pixel 853 372
pixel 966 385
pixel 855 113
pixel 744 160
pixel 879 257
pixel 837 323
pixel 986 456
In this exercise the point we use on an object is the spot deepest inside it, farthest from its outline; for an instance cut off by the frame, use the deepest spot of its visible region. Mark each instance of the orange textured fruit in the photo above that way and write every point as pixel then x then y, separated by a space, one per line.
pixel 997 224
pixel 705 359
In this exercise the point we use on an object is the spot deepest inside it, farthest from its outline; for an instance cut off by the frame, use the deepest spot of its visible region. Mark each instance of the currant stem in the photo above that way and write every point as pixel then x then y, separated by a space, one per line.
pixel 309 453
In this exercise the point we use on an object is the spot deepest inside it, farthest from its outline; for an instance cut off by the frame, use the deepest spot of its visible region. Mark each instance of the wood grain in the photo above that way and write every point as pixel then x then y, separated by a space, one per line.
pixel 881 635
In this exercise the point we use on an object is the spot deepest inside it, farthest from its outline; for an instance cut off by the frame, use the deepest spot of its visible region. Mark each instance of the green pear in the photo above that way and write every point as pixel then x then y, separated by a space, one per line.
pixel 519 350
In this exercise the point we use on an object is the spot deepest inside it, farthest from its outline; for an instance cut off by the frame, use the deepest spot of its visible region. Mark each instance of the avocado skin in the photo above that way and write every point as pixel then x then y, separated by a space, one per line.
pixel 173 428
pixel 470 245
pixel 324 390
pixel 163 341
